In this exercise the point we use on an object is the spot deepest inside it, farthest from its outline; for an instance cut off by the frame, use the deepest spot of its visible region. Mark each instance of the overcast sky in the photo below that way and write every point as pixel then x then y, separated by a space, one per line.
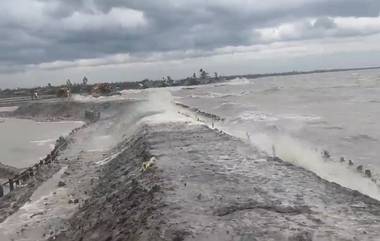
pixel 46 41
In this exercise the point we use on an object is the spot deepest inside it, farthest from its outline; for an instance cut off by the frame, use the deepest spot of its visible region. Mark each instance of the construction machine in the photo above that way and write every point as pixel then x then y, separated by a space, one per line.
pixel 103 89
pixel 63 92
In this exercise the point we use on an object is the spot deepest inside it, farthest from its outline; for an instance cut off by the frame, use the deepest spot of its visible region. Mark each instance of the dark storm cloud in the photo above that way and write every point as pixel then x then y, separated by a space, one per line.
pixel 324 23
pixel 37 31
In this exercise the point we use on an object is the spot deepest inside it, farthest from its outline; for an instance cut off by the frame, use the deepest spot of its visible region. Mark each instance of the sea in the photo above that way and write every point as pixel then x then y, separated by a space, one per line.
pixel 299 117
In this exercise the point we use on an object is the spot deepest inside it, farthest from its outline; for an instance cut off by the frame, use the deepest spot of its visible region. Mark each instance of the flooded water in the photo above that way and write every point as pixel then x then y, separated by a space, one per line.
pixel 300 115
pixel 25 142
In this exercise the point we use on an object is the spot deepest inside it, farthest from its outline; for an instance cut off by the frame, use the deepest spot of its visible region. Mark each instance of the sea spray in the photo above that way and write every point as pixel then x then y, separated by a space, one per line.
pixel 160 101
pixel 239 81
pixel 301 154
pixel 304 155
pixel 154 105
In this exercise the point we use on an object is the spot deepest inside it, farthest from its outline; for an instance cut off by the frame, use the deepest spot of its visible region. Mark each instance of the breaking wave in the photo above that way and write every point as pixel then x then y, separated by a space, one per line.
pixel 256 116
pixel 123 95
pixel 268 117
pixel 361 137
pixel 211 95
pixel 43 142
pixel 301 154
pixel 239 81
pixel 271 90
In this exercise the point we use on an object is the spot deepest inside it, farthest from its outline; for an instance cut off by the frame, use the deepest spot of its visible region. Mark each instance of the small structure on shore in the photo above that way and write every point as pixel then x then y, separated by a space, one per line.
pixel 325 155
pixel 92 115
pixel 274 151
pixel 368 173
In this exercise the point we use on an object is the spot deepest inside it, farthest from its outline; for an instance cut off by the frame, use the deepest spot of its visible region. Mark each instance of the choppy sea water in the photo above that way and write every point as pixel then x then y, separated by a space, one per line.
pixel 25 142
pixel 300 115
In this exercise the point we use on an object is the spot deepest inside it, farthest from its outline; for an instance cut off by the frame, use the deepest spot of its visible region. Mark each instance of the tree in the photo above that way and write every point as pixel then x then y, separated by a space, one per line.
pixel 68 83
pixel 84 81
pixel 203 73
pixel 169 80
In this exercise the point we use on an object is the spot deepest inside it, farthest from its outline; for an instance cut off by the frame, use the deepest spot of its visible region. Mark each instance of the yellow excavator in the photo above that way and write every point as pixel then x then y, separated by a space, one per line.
pixel 104 89
pixel 63 92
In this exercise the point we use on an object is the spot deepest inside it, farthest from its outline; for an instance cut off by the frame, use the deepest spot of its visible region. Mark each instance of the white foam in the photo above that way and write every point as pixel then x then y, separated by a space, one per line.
pixel 161 102
pixel 89 98
pixel 239 81
pixel 8 108
pixel 257 116
pixel 300 117
pixel 208 95
pixel 42 142
pixel 268 117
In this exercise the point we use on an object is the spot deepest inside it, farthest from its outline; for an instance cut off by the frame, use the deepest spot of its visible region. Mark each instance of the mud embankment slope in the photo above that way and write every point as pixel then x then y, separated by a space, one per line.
pixel 206 185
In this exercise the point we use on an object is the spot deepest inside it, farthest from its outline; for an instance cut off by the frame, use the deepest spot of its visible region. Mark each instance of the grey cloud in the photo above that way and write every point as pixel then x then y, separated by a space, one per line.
pixel 171 26
pixel 344 8
pixel 325 23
